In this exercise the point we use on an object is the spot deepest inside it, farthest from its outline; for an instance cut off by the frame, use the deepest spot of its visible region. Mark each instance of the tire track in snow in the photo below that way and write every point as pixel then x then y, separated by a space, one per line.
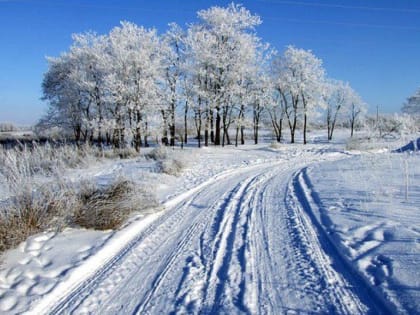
pixel 219 279
pixel 340 281
pixel 251 252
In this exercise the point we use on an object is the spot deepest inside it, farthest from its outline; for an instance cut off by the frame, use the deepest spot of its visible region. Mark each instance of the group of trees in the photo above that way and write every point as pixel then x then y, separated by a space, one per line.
pixel 217 74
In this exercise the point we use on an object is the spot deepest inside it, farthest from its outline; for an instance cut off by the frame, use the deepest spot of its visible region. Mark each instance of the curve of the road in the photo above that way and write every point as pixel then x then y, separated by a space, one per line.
pixel 240 244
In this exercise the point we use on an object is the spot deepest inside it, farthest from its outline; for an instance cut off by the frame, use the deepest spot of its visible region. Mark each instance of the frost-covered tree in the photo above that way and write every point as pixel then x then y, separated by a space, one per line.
pixel 261 98
pixel 412 105
pixel 73 86
pixel 88 73
pixel 225 45
pixel 113 87
pixel 60 91
pixel 298 78
pixel 134 70
pixel 357 110
pixel 338 97
pixel 173 51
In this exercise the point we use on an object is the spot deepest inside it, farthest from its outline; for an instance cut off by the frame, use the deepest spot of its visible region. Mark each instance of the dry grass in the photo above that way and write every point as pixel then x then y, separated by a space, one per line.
pixel 166 163
pixel 108 207
pixel 33 211
pixel 171 166
pixel 42 201
pixel 158 153
pixel 275 145
pixel 57 206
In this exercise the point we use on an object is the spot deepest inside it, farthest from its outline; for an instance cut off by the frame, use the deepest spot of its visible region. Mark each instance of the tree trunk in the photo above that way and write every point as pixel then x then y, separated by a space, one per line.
pixel 292 130
pixel 329 123
pixel 211 127
pixel 256 120
pixel 165 129
pixel 172 126
pixel 237 136
pixel 146 128
pixel 137 137
pixel 217 131
pixel 185 123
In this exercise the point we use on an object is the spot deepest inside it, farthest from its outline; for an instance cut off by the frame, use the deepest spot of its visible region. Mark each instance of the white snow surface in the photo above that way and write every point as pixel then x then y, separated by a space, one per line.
pixel 249 230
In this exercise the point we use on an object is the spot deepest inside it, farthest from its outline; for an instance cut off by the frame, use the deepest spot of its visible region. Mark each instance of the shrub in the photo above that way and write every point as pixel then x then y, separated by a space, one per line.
pixel 275 145
pixel 35 210
pixel 108 207
pixel 166 164
pixel 171 166
pixel 158 153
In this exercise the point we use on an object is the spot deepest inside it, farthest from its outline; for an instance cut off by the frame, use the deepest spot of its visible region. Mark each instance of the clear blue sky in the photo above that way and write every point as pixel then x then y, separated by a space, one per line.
pixel 375 45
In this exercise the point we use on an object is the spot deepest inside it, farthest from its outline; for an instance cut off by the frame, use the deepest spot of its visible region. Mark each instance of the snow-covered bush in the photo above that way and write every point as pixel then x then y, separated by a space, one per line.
pixel 108 207
pixel 52 206
pixel 275 145
pixel 158 153
pixel 40 199
pixel 171 166
pixel 360 144
pixel 34 209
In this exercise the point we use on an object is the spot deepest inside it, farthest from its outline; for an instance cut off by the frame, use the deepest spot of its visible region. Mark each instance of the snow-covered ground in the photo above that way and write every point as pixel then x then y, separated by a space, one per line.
pixel 254 229
pixel 369 206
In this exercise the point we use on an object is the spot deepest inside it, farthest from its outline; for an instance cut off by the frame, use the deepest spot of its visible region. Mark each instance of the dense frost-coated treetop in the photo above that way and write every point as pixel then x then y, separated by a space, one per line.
pixel 227 21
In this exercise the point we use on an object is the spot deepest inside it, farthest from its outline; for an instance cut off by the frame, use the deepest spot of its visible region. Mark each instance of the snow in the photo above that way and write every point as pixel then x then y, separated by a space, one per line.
pixel 254 229
pixel 43 262
pixel 369 204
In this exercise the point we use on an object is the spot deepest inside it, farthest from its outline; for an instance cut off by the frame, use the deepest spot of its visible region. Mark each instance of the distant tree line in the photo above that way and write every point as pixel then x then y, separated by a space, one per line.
pixel 216 77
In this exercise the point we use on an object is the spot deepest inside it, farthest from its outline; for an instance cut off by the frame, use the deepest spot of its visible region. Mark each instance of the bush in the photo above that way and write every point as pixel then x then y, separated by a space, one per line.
pixel 158 153
pixel 108 207
pixel 171 166
pixel 56 206
pixel 41 201
pixel 32 211
pixel 166 164
pixel 363 144
pixel 275 145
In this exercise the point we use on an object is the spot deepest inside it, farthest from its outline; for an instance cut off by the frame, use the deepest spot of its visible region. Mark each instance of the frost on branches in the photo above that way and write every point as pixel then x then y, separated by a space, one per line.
pixel 216 76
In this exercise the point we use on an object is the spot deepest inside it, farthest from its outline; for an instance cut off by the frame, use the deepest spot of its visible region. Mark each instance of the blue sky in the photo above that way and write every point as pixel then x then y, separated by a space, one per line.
pixel 374 45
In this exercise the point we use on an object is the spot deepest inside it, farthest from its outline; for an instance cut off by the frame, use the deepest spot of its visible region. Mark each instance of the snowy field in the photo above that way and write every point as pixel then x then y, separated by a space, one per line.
pixel 285 229
pixel 369 206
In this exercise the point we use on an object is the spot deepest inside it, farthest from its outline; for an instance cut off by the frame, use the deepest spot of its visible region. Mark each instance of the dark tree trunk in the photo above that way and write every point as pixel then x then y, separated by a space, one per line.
pixel 211 127
pixel 185 123
pixel 165 140
pixel 217 131
pixel 172 125
pixel 137 137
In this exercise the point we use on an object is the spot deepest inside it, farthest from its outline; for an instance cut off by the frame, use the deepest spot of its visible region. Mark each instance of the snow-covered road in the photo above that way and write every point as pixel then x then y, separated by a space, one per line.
pixel 245 241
